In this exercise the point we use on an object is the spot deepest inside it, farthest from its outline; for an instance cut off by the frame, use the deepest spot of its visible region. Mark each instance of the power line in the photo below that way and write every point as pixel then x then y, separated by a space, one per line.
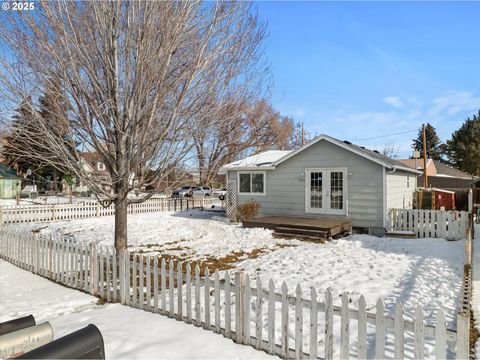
pixel 382 136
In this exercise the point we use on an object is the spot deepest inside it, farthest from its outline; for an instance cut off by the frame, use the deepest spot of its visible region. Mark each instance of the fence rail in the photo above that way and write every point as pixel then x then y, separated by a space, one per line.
pixel 450 225
pixel 89 209
pixel 274 320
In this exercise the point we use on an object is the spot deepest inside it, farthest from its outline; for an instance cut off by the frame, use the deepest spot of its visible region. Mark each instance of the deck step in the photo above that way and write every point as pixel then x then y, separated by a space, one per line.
pixel 301 231
pixel 316 239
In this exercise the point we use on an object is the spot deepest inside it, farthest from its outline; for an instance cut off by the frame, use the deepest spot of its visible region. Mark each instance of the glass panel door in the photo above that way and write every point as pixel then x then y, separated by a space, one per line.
pixel 316 189
pixel 336 190
pixel 325 191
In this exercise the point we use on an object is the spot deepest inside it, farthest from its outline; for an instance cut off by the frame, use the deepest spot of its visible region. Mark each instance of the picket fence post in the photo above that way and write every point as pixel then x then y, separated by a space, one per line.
pixel 239 305
pixel 36 240
pixel 463 334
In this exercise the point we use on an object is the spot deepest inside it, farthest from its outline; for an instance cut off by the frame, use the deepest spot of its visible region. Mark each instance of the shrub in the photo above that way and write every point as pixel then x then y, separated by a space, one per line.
pixel 248 210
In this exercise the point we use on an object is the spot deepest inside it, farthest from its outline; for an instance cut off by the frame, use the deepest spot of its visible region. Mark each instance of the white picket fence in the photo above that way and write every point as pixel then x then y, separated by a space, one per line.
pixel 88 209
pixel 451 225
pixel 288 325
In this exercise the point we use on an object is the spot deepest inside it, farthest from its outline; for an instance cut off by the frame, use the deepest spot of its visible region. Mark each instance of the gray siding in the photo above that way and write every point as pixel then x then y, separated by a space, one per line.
pixel 399 196
pixel 285 192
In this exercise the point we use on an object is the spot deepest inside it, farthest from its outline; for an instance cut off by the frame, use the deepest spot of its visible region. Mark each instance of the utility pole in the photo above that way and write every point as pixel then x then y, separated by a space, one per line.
pixel 425 178
pixel 303 135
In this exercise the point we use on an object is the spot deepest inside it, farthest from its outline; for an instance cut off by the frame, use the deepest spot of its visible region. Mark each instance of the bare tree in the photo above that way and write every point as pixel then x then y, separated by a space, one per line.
pixel 132 75
pixel 390 150
pixel 250 128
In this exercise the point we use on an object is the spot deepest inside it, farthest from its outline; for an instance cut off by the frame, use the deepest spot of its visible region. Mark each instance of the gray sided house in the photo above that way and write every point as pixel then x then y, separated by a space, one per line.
pixel 325 178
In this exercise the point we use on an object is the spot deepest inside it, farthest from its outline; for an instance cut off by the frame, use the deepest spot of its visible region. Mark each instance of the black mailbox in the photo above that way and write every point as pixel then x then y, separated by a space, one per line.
pixel 16 324
pixel 86 343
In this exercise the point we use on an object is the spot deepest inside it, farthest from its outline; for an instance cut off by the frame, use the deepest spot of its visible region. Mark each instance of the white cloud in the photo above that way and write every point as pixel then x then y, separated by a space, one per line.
pixel 454 103
pixel 394 101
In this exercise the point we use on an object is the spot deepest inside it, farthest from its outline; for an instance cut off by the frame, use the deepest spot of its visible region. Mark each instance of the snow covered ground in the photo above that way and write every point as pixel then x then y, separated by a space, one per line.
pixel 128 333
pixel 193 235
pixel 413 271
pixel 426 272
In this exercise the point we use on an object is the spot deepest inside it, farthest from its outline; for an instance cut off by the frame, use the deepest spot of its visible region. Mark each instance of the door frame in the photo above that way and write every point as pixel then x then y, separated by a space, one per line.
pixel 326 210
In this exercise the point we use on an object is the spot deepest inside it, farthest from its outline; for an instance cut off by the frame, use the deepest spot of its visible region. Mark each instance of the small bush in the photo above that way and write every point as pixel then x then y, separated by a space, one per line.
pixel 248 210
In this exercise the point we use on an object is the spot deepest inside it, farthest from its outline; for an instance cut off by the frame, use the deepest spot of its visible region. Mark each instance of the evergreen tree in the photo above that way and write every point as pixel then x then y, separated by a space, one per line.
pixel 463 149
pixel 13 139
pixel 434 150
pixel 22 145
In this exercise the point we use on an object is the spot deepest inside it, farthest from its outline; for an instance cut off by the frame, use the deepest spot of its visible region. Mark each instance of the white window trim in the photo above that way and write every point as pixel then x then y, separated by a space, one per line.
pixel 252 193
pixel 100 168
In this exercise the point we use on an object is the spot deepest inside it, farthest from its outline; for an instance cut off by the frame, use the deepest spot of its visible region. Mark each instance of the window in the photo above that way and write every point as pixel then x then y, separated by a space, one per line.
pixel 408 181
pixel 251 183
pixel 100 166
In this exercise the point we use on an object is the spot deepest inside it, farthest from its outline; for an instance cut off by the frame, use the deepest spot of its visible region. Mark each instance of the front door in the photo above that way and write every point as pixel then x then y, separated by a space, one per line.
pixel 325 191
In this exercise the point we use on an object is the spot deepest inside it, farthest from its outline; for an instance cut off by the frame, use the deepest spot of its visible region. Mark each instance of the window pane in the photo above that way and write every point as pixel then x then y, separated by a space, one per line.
pixel 316 190
pixel 336 190
pixel 257 183
pixel 245 183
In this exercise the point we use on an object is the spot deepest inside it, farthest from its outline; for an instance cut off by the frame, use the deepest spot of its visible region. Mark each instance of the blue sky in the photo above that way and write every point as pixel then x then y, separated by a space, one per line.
pixel 357 70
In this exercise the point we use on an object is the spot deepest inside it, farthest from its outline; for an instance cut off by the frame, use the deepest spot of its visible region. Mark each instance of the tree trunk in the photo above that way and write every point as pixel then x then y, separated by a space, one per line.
pixel 121 222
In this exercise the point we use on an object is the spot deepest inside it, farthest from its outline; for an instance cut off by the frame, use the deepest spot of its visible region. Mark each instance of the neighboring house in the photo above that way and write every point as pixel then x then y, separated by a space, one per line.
pixel 10 183
pixel 440 175
pixel 325 178
pixel 93 165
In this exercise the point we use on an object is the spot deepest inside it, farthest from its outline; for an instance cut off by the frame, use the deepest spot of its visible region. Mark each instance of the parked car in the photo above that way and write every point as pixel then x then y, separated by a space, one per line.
pixel 220 193
pixel 29 191
pixel 184 191
pixel 202 191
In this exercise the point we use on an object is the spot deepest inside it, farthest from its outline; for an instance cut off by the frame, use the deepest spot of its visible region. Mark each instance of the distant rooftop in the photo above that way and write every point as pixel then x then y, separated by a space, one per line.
pixel 7 172
pixel 436 168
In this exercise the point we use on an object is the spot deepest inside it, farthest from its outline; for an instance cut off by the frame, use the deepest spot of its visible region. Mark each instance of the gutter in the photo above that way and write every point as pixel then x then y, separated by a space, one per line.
pixel 392 171
pixel 248 168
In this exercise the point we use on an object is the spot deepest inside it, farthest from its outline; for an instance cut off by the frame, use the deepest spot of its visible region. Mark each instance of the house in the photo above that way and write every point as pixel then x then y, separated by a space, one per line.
pixel 440 175
pixel 10 183
pixel 92 165
pixel 324 178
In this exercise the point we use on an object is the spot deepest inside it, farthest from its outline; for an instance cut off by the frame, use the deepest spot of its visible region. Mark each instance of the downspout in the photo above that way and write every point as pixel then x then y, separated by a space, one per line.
pixel 385 193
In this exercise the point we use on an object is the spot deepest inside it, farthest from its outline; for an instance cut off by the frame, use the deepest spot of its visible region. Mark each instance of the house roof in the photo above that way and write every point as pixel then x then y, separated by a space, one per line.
pixel 264 160
pixel 436 168
pixel 445 170
pixel 272 158
pixel 92 159
pixel 416 163
pixel 7 172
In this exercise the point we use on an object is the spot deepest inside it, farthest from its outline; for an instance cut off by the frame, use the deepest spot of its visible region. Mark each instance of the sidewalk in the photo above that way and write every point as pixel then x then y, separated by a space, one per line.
pixel 128 333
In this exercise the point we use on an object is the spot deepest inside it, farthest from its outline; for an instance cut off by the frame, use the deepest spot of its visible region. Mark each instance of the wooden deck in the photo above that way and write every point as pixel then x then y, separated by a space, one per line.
pixel 323 228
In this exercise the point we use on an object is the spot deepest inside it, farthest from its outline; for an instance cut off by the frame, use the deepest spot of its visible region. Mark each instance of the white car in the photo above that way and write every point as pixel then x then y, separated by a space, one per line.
pixel 220 193
pixel 205 191
pixel 185 191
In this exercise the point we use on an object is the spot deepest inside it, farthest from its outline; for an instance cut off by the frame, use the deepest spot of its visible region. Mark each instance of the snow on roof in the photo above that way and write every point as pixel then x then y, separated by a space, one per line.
pixel 262 160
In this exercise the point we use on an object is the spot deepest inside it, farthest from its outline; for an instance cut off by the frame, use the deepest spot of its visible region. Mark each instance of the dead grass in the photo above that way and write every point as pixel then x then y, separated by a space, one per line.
pixel 227 262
